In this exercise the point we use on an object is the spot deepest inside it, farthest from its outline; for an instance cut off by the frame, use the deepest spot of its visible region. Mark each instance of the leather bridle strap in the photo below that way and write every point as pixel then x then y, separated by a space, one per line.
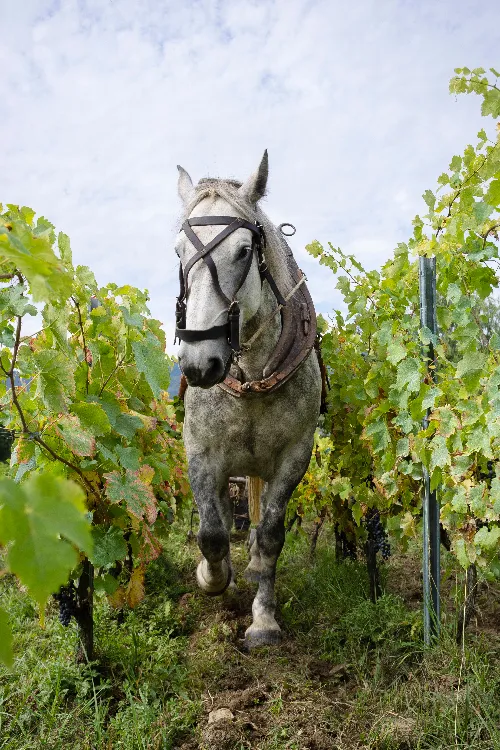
pixel 231 328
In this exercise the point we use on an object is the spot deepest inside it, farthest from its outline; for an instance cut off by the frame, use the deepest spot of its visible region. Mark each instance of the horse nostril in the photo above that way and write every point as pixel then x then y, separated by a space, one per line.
pixel 191 373
pixel 214 371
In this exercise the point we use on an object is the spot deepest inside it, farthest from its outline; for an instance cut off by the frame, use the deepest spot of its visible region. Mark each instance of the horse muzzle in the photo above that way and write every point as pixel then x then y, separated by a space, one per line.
pixel 204 373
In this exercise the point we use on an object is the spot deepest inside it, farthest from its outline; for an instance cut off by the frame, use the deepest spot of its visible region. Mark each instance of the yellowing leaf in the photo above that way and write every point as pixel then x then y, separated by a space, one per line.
pixel 136 493
pixel 135 587
pixel 78 440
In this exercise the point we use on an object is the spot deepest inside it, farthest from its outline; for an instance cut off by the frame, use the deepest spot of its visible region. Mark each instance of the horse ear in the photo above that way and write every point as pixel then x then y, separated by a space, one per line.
pixel 184 185
pixel 255 187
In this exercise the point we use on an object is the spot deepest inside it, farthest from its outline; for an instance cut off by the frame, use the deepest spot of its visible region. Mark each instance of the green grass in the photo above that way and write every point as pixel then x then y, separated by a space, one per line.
pixel 349 675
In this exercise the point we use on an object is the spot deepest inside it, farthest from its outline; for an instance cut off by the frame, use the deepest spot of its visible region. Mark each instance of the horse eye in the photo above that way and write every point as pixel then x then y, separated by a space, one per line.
pixel 243 252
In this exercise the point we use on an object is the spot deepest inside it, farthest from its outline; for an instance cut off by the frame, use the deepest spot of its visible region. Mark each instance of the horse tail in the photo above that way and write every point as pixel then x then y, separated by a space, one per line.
pixel 255 487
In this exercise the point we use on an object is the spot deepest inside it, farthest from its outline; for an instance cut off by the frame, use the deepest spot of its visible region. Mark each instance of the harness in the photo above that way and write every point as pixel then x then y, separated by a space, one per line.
pixel 230 329
pixel 298 317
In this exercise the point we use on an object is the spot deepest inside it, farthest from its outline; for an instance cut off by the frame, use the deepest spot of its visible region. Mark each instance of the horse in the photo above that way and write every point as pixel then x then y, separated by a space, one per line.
pixel 247 331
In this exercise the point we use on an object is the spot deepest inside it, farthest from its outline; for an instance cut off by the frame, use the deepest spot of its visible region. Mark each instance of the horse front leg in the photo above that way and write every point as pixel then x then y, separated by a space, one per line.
pixel 211 493
pixel 270 537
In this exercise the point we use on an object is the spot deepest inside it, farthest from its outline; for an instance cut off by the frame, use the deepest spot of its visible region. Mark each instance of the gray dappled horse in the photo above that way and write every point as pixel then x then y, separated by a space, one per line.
pixel 254 380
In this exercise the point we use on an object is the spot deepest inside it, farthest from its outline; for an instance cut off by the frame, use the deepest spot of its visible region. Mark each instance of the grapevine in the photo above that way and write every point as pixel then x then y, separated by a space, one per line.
pixel 95 429
pixel 380 389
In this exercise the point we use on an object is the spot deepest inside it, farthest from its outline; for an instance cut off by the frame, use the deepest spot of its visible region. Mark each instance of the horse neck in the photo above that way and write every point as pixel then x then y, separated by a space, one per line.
pixel 253 362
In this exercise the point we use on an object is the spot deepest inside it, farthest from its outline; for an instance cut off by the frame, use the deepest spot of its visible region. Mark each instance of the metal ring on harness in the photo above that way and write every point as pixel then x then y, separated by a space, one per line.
pixel 287 224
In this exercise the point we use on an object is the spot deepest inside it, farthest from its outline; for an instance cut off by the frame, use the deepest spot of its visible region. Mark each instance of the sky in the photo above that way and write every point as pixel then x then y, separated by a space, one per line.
pixel 101 99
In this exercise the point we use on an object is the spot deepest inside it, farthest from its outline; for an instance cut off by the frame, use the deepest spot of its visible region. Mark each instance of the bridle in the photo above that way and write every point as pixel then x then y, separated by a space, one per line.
pixel 231 329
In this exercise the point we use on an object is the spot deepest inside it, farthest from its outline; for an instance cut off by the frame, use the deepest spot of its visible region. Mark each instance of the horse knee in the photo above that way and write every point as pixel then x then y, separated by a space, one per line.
pixel 213 543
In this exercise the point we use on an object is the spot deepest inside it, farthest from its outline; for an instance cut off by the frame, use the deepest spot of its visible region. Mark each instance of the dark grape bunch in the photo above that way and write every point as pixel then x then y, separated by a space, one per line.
pixel 67 603
pixel 378 534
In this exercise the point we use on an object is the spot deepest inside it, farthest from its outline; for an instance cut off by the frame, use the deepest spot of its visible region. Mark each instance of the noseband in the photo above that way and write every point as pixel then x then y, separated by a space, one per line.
pixel 231 329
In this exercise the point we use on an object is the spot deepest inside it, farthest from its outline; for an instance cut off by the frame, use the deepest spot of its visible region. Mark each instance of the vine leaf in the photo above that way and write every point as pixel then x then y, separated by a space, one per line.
pixel 134 489
pixel 153 363
pixel 408 374
pixel 109 545
pixel 93 417
pixel 135 588
pixel 78 440
pixel 41 519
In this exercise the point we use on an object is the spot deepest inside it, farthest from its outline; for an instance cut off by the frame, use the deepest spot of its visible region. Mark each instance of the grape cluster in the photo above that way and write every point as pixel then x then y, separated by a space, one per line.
pixel 67 603
pixel 378 534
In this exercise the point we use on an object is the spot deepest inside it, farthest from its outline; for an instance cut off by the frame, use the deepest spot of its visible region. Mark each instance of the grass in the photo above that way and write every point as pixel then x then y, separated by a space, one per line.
pixel 349 675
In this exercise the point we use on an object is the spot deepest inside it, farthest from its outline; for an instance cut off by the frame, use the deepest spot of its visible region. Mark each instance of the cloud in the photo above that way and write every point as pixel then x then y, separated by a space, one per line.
pixel 101 100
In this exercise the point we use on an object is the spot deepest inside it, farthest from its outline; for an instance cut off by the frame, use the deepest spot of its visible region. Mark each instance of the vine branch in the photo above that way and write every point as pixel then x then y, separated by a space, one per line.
pixel 85 351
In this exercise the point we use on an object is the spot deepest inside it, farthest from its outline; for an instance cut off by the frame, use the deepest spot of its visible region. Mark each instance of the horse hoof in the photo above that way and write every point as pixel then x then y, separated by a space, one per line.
pixel 214 588
pixel 257 637
pixel 252 575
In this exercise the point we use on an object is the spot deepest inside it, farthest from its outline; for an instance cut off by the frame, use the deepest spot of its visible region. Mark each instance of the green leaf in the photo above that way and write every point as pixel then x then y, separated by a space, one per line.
pixel 380 435
pixel 31 253
pixel 396 351
pixel 78 440
pixel 106 583
pixel 6 655
pixel 453 293
pixel 154 364
pixel 479 440
pixel 459 501
pixel 93 417
pixel 481 211
pixel 430 396
pixel 491 103
pixel 357 512
pixel 129 457
pixel 439 453
pixel 64 246
pixel 427 337
pixel 495 342
pixel 403 447
pixel 430 199
pixel 41 520
pixel 56 383
pixel 492 196
pixel 478 496
pixel 109 545
pixel 13 302
pixel 461 553
pixel 132 319
pixel 448 422
pixel 127 425
pixel 408 374
pixel 471 363
pixel 495 494
pixel 487 539
pixel 403 421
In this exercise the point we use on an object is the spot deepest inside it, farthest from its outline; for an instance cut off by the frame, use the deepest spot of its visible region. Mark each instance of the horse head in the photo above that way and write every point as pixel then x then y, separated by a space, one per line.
pixel 221 271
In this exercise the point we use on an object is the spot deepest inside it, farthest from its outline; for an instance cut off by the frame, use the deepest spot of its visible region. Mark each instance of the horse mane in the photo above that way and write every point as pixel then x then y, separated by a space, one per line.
pixel 278 254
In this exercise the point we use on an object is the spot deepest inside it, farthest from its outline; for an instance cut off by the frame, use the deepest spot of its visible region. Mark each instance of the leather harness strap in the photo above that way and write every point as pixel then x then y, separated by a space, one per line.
pixel 232 328
pixel 298 316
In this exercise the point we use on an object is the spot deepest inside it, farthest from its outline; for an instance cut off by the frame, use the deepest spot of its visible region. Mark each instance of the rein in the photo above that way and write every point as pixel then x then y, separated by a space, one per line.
pixel 230 329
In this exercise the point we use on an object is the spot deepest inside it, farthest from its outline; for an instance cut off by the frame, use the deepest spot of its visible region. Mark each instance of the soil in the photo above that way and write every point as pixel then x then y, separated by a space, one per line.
pixel 287 698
